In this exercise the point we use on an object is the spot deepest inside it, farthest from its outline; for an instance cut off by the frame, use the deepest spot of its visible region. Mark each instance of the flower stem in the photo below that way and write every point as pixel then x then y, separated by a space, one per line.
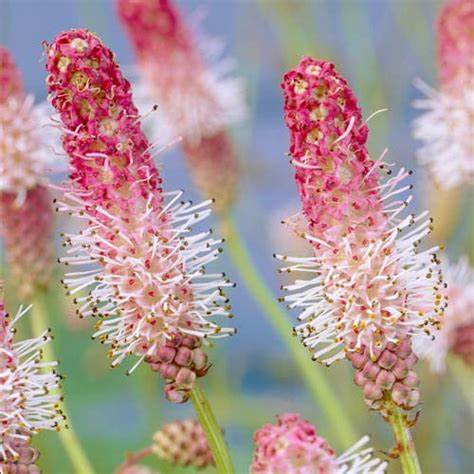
pixel 405 445
pixel 315 380
pixel 213 431
pixel 69 438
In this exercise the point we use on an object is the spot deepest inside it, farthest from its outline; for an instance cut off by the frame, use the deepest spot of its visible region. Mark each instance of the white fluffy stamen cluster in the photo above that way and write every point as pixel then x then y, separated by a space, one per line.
pixel 24 156
pixel 446 132
pixel 154 286
pixel 28 402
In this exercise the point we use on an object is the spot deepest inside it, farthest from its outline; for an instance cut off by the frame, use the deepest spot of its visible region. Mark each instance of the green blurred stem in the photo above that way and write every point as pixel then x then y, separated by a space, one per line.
pixel 213 431
pixel 405 446
pixel 464 379
pixel 315 380
pixel 69 438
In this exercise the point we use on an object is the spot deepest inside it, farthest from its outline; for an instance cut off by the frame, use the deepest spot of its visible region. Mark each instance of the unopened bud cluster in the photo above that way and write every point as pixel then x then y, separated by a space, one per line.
pixel 386 375
pixel 180 361
pixel 25 460
pixel 183 443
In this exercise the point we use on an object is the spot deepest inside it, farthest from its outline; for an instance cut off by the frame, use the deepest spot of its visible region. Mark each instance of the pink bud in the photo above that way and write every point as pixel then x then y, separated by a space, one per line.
pixel 184 357
pixel 413 398
pixel 359 379
pixel 400 394
pixel 387 360
pixel 199 359
pixel 400 369
pixel 385 379
pixel 411 360
pixel 404 349
pixel 411 380
pixel 166 353
pixel 372 391
pixel 358 359
pixel 370 370
pixel 169 371
pixel 191 342
pixel 174 395
pixel 185 378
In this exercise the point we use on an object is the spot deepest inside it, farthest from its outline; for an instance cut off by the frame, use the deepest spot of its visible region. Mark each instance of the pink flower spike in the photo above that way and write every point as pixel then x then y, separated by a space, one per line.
pixel 136 251
pixel 25 208
pixel 195 101
pixel 28 402
pixel 445 126
pixel 455 28
pixel 292 446
pixel 372 288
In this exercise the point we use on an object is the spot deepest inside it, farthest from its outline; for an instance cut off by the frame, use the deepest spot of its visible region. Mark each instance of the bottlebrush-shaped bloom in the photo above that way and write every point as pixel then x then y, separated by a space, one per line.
pixel 28 403
pixel 183 443
pixel 292 446
pixel 136 251
pixel 196 101
pixel 457 330
pixel 445 128
pixel 372 289
pixel 25 211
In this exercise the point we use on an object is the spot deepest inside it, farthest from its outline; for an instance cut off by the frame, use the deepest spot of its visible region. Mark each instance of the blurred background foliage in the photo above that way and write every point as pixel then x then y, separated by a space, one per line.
pixel 381 46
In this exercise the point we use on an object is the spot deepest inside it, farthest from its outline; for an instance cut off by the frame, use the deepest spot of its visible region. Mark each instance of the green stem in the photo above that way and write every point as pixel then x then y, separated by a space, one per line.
pixel 213 432
pixel 69 438
pixel 315 380
pixel 405 445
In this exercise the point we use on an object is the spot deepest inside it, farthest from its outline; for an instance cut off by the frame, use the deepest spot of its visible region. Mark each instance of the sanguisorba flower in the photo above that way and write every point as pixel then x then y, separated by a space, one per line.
pixel 183 443
pixel 196 101
pixel 457 331
pixel 28 403
pixel 26 217
pixel 445 128
pixel 373 293
pixel 292 446
pixel 144 267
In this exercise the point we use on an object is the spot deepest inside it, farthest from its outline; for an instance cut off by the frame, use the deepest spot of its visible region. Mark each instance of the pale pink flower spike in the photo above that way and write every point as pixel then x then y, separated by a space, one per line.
pixel 445 127
pixel 26 216
pixel 373 293
pixel 292 446
pixel 144 269
pixel 195 100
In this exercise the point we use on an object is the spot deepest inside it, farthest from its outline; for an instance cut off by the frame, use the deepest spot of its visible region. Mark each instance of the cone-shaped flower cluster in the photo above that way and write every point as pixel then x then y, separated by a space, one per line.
pixel 136 253
pixel 197 102
pixel 25 212
pixel 445 128
pixel 457 331
pixel 292 446
pixel 372 290
pixel 25 461
pixel 27 400
pixel 180 361
pixel 183 443
pixel 387 370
